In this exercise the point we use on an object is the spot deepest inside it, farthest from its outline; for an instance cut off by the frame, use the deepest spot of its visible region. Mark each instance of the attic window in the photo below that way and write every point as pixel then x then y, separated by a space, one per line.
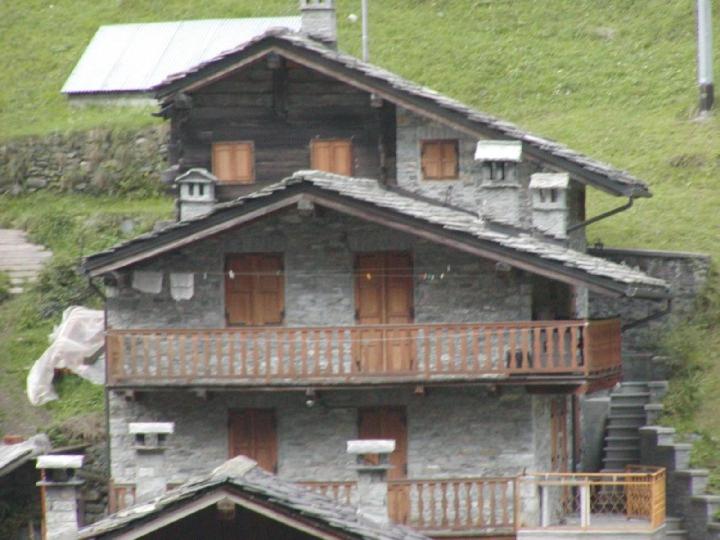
pixel 439 159
pixel 234 162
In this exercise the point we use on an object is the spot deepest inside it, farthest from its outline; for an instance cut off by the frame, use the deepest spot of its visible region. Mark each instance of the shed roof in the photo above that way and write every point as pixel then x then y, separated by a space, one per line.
pixel 124 58
pixel 371 200
pixel 247 479
pixel 421 100
pixel 13 456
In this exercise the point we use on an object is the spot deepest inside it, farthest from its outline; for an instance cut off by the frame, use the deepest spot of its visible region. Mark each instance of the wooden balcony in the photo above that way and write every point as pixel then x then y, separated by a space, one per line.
pixel 572 352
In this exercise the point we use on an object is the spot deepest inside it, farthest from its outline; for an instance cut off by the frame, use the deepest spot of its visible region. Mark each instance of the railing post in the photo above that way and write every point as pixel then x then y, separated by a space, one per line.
pixel 585 504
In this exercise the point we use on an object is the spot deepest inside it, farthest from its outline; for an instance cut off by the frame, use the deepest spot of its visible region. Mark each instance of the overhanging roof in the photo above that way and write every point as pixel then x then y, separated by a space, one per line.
pixel 132 58
pixel 242 482
pixel 419 99
pixel 369 200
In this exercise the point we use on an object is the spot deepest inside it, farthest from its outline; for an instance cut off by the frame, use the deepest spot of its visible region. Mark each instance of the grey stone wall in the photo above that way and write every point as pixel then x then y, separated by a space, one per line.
pixel 98 161
pixel 318 250
pixel 451 432
pixel 687 274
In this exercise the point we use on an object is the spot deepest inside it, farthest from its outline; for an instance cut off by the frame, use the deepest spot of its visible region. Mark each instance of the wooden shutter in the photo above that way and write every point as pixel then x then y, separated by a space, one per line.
pixel 254 289
pixel 252 433
pixel 387 423
pixel 439 159
pixel 234 162
pixel 332 155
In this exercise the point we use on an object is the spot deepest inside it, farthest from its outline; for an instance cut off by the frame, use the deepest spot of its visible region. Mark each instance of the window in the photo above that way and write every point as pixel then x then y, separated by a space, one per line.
pixel 496 170
pixel 234 162
pixel 332 155
pixel 254 289
pixel 439 159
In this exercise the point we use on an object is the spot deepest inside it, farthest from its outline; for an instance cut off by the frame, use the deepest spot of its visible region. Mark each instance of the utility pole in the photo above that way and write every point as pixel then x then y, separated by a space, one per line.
pixel 705 66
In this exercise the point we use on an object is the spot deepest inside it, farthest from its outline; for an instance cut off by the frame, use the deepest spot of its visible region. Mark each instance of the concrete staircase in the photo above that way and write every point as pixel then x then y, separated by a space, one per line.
pixel 21 259
pixel 626 416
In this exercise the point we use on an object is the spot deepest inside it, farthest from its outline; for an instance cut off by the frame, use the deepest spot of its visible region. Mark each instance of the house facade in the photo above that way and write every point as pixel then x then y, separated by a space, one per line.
pixel 357 257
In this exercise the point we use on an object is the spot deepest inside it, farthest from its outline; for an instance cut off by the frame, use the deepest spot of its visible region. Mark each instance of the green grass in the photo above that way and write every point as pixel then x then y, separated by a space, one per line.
pixel 614 79
pixel 71 226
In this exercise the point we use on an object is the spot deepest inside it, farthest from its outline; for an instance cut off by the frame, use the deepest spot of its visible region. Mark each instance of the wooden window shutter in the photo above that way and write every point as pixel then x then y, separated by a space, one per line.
pixel 254 290
pixel 234 162
pixel 252 433
pixel 333 156
pixel 439 159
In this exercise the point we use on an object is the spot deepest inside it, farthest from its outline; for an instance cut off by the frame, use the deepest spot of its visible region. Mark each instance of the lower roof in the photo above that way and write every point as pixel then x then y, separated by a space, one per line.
pixel 370 200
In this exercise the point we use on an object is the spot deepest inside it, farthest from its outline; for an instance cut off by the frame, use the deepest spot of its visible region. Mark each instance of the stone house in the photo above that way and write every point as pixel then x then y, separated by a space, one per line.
pixel 357 256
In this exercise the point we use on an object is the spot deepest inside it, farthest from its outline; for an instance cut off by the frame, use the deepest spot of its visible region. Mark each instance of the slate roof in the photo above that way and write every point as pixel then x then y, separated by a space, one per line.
pixel 513 244
pixel 245 476
pixel 600 174
pixel 13 456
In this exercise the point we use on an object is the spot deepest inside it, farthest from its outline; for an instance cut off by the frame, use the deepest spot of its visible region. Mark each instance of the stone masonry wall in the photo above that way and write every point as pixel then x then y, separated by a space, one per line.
pixel 687 274
pixel 451 432
pixel 98 161
pixel 449 286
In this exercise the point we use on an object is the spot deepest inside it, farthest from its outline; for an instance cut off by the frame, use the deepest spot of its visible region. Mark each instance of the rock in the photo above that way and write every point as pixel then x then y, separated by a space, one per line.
pixel 127 226
pixel 36 182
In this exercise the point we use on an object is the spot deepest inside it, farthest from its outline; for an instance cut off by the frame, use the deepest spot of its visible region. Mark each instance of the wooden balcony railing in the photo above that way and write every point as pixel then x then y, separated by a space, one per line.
pixel 362 354
pixel 442 505
pixel 631 500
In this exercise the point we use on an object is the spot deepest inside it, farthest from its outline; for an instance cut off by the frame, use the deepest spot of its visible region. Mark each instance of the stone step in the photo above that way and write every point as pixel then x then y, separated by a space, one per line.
pixel 623 442
pixel 630 398
pixel 618 465
pixel 622 431
pixel 618 454
pixel 626 420
pixel 630 387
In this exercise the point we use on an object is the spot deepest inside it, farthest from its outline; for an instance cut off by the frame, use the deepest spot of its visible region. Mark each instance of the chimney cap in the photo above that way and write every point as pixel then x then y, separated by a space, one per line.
pixel 499 150
pixel 62 461
pixel 196 175
pixel 371 446
pixel 550 181
pixel 144 428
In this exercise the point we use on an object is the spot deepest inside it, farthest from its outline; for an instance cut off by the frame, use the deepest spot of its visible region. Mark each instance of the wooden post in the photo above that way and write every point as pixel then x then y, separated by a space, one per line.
pixel 585 504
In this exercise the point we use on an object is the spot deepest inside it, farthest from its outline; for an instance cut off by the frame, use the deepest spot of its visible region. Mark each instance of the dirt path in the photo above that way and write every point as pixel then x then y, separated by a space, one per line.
pixel 20 258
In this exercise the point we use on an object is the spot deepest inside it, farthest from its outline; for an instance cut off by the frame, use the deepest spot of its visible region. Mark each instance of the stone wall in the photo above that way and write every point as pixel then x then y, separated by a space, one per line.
pixel 318 251
pixel 99 161
pixel 451 432
pixel 687 274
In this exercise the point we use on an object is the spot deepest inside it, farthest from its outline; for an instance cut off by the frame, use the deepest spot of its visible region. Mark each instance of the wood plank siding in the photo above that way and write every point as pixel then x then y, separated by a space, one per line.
pixel 568 352
pixel 281 111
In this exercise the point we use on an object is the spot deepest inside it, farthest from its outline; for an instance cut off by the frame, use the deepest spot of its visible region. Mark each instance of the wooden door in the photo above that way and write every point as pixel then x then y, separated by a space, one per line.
pixel 332 155
pixel 252 433
pixel 384 296
pixel 390 423
pixel 254 289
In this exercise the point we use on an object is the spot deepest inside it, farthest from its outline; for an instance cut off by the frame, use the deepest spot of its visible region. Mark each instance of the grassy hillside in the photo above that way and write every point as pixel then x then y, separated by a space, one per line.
pixel 615 79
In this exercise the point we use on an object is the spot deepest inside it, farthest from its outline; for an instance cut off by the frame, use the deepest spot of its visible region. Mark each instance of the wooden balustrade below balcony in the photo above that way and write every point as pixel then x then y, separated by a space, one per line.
pixel 469 505
pixel 422 353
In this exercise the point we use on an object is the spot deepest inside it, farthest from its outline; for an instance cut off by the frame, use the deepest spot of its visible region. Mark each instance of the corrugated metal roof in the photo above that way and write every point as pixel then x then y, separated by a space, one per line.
pixel 136 57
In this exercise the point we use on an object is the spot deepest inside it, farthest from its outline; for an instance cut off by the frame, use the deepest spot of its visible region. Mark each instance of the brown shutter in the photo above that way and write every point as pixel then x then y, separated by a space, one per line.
pixel 234 162
pixel 252 433
pixel 387 423
pixel 399 288
pixel 254 292
pixel 439 159
pixel 333 156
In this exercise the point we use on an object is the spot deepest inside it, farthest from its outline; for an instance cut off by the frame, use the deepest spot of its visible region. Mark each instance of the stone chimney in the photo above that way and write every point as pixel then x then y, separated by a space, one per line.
pixel 196 193
pixel 549 193
pixel 500 189
pixel 372 467
pixel 59 490
pixel 150 444
pixel 318 20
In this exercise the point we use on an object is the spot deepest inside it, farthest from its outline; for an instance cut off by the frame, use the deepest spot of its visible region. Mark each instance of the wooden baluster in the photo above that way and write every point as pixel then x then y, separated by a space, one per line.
pixel 538 348
pixel 452 335
pixel 232 336
pixel 146 355
pixel 194 354
pixel 433 508
pixel 552 359
pixel 444 504
pixel 329 352
pixel 512 345
pixel 267 342
pixel 562 332
pixel 574 351
pixel 488 337
pixel 292 348
pixel 158 353
pixel 474 364
pixel 493 504
pixel 341 350
pixel 456 505
pixel 133 356
pixel 504 503
pixel 426 351
pixel 244 370
pixel 255 341
pixel 524 348
pixel 183 370
pixel 468 504
pixel 421 504
pixel 480 486
pixel 438 350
